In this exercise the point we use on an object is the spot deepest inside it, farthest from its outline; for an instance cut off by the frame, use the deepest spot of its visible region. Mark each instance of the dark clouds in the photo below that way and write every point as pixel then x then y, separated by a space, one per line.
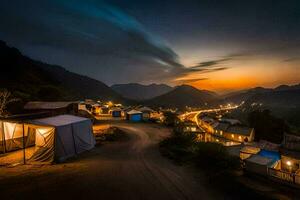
pixel 118 41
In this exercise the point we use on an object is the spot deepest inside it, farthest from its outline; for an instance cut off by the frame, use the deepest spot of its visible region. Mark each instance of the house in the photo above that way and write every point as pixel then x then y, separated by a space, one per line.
pixel 53 108
pixel 235 133
pixel 207 123
pixel 259 164
pixel 146 112
pixel 115 112
pixel 46 140
pixel 96 109
pixel 134 115
pixel 287 169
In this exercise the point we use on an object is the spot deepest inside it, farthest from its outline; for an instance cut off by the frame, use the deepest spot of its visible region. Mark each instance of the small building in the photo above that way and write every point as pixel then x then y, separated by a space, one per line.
pixel 146 112
pixel 134 115
pixel 259 164
pixel 53 108
pixel 96 109
pixel 235 133
pixel 116 112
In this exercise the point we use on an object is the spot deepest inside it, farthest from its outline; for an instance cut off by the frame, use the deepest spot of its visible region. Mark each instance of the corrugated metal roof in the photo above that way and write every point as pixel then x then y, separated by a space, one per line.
pixel 38 105
pixel 260 160
pixel 222 126
pixel 240 130
pixel 134 112
pixel 145 109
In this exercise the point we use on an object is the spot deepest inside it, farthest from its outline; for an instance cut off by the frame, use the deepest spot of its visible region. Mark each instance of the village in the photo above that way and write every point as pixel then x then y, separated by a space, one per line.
pixel 53 132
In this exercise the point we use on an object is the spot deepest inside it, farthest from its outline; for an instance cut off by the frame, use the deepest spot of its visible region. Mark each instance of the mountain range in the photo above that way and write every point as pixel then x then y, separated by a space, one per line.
pixel 182 96
pixel 282 95
pixel 139 92
pixel 29 79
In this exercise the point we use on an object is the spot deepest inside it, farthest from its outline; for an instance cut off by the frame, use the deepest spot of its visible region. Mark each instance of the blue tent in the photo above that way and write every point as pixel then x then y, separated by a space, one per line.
pixel 134 115
pixel 270 154
pixel 116 113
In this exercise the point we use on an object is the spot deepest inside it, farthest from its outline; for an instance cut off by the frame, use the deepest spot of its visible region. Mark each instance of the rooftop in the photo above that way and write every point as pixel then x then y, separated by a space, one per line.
pixel 59 120
pixel 37 105
pixel 240 130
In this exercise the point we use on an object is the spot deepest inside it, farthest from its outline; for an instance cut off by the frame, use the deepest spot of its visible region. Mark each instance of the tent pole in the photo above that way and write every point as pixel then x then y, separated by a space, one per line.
pixel 3 137
pixel 24 153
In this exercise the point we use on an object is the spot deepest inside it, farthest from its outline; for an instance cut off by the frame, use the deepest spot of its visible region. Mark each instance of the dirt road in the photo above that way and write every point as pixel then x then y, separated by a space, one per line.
pixel 131 169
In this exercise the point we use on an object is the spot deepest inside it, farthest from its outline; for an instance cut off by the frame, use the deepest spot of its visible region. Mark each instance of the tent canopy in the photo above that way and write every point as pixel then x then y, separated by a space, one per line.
pixel 52 139
pixel 60 120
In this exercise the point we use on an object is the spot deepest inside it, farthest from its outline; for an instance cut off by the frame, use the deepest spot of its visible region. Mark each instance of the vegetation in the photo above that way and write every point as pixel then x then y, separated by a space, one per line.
pixel 267 127
pixel 212 157
pixel 170 118
pixel 5 99
pixel 111 134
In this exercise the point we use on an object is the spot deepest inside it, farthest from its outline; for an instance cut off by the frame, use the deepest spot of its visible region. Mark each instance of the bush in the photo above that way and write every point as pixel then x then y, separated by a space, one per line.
pixel 170 118
pixel 179 147
pixel 184 148
pixel 214 157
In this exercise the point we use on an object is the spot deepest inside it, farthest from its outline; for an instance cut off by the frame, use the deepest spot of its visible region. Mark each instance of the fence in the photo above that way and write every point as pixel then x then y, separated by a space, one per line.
pixel 285 176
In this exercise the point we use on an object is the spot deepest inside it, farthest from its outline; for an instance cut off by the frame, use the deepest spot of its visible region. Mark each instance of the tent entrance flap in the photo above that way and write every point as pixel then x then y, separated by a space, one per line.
pixel 23 143
pixel 45 140
pixel 44 145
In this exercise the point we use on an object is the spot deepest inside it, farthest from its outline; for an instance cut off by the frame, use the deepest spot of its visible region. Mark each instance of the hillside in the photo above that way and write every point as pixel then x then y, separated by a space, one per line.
pixel 283 101
pixel 182 96
pixel 141 92
pixel 244 95
pixel 33 80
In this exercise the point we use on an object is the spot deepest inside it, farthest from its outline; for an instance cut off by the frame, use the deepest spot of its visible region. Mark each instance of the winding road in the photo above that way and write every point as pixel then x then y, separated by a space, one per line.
pixel 131 169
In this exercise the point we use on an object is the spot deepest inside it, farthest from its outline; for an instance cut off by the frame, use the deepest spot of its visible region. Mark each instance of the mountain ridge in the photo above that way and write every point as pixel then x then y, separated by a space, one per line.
pixel 182 96
pixel 141 92
pixel 30 80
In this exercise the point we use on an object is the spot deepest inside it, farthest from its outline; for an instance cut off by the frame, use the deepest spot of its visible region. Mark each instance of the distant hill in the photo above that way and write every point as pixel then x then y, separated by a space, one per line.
pixel 182 96
pixel 33 80
pixel 244 95
pixel 289 98
pixel 141 92
pixel 283 101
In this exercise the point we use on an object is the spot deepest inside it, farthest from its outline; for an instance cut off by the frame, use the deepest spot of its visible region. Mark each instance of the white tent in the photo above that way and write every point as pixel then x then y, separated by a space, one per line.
pixel 64 137
pixel 46 140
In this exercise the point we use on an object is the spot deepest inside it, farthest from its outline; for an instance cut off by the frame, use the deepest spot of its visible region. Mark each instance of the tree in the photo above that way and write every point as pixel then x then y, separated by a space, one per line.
pixel 267 127
pixel 171 119
pixel 5 99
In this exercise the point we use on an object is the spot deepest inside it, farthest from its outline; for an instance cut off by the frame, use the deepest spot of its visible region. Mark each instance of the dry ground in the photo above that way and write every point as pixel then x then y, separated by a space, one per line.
pixel 131 169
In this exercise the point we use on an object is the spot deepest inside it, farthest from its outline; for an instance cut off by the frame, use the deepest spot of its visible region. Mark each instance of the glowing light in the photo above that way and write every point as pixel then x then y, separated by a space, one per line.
pixel 232 135
pixel 289 163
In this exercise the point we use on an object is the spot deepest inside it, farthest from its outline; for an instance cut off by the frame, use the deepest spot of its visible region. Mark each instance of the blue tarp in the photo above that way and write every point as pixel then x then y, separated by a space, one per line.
pixel 270 154
pixel 116 113
pixel 135 117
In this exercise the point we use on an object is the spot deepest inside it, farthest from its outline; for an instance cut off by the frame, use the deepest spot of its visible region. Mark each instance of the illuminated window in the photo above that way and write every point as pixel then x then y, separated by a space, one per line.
pixel 221 132
pixel 232 135
pixel 240 137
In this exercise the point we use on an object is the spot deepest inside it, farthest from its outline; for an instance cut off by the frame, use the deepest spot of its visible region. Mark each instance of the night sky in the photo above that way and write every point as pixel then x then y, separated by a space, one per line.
pixel 217 45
